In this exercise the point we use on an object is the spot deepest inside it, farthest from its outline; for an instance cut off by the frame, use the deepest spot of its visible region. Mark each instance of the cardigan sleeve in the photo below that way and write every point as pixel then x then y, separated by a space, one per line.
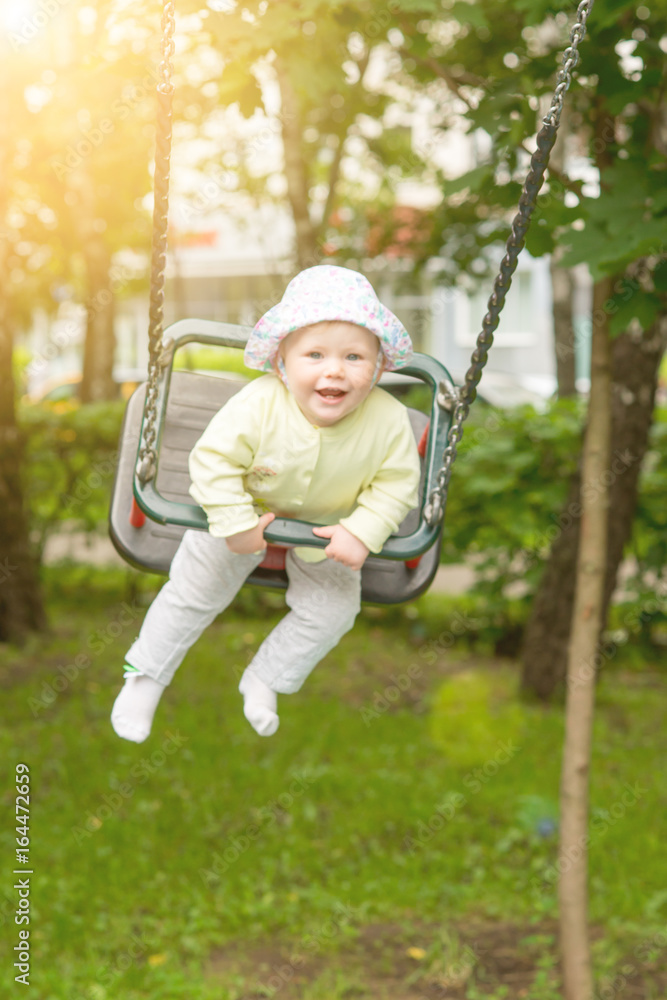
pixel 393 491
pixel 220 459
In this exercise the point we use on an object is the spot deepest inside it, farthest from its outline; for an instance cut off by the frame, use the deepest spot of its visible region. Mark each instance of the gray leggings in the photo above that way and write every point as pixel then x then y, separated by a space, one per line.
pixel 205 576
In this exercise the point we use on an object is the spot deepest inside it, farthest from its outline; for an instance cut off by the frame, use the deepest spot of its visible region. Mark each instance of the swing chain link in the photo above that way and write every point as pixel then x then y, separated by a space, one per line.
pixel 570 60
pixel 158 353
pixel 434 507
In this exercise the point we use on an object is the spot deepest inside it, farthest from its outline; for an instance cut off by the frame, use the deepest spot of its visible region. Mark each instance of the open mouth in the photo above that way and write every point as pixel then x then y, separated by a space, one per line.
pixel 330 393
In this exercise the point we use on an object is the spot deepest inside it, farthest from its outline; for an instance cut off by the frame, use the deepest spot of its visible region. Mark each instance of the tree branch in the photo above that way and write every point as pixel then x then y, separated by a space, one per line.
pixel 453 82
pixel 295 168
pixel 334 169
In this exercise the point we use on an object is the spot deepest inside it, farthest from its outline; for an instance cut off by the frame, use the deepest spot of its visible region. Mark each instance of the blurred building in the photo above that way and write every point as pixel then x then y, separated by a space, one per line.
pixel 230 274
pixel 233 267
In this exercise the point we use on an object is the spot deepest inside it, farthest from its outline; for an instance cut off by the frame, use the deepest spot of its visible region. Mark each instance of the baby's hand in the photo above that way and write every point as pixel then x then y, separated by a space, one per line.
pixel 252 540
pixel 344 547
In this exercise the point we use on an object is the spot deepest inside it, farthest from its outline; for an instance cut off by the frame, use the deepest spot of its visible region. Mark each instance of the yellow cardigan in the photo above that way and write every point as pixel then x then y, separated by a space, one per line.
pixel 260 453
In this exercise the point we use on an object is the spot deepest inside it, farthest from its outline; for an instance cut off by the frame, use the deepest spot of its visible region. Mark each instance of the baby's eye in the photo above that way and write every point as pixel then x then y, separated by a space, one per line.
pixel 314 354
pixel 354 357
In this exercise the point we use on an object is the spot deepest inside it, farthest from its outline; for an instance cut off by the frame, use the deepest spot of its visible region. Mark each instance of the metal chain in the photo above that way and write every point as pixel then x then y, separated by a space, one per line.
pixel 570 60
pixel 460 398
pixel 165 89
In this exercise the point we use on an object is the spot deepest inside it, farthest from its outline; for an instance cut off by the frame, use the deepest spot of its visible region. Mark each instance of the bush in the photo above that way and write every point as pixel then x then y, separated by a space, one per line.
pixel 71 455
pixel 508 490
pixel 509 483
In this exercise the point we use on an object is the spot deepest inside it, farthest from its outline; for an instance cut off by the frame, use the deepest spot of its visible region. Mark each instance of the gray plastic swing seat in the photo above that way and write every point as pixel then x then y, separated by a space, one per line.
pixel 192 401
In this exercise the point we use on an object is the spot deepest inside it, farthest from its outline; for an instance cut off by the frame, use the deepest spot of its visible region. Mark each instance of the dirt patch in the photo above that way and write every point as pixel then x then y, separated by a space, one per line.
pixel 416 962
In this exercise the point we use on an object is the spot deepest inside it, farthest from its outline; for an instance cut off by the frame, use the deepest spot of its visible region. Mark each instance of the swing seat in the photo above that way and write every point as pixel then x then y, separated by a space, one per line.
pixel 147 520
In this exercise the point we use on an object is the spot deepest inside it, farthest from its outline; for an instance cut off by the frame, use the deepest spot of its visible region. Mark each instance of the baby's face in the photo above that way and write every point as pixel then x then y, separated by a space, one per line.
pixel 330 369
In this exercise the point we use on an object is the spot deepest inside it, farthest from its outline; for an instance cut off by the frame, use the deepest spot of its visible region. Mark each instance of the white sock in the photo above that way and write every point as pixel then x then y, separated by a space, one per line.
pixel 134 708
pixel 259 704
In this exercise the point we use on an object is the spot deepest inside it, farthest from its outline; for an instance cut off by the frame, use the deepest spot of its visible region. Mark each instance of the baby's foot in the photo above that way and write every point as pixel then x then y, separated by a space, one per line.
pixel 134 708
pixel 259 704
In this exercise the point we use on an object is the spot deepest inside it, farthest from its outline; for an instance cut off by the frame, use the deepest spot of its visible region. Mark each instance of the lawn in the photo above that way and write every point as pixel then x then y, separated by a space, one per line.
pixel 397 838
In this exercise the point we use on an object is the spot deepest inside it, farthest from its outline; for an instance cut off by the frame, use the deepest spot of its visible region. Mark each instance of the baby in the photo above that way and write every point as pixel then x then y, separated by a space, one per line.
pixel 315 439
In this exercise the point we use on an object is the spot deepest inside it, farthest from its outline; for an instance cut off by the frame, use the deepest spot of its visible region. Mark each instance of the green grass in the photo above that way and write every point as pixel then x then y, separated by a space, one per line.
pixel 429 806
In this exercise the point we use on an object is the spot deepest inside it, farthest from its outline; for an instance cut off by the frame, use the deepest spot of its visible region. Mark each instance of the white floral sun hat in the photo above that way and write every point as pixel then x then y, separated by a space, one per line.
pixel 326 292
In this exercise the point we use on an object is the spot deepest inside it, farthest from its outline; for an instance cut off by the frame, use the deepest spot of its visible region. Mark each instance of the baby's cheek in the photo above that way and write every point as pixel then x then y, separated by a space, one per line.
pixel 362 377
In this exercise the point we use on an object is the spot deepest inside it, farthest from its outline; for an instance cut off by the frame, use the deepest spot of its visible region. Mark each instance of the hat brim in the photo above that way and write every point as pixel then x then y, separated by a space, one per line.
pixel 279 322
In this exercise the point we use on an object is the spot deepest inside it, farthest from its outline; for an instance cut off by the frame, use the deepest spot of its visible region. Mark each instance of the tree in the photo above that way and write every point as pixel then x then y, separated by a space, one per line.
pixel 623 144
pixel 21 607
pixel 306 66
pixel 635 363
pixel 76 122
pixel 499 63
pixel 562 290
pixel 65 207
pixel 627 145
pixel 99 152
pixel 586 625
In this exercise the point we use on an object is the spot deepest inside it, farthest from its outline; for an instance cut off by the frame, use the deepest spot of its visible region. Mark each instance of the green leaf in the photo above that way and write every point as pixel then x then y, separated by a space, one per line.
pixel 609 12
pixel 474 180
pixel 238 85
pixel 642 306
pixel 608 254
pixel 660 277
pixel 468 13
pixel 540 239
pixel 660 198
pixel 582 246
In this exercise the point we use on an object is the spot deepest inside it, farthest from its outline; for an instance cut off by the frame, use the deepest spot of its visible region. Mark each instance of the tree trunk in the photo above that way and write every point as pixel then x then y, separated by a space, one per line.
pixel 21 607
pixel 562 287
pixel 100 344
pixel 586 624
pixel 334 168
pixel 307 250
pixel 635 365
pixel 97 382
